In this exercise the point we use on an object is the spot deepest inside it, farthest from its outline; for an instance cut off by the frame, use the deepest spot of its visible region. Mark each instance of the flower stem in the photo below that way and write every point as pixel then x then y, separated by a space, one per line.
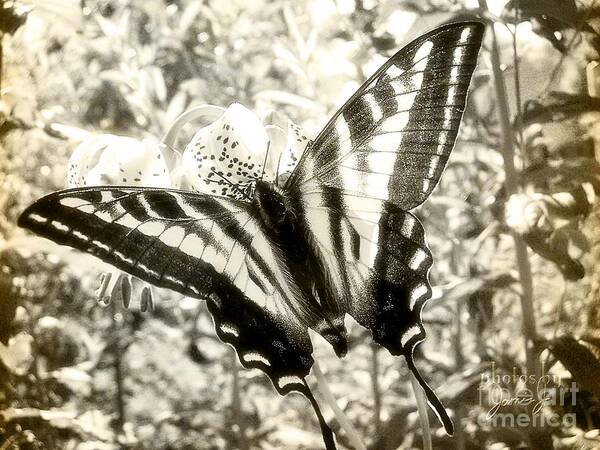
pixel 339 414
pixel 421 399
pixel 118 372
pixel 511 185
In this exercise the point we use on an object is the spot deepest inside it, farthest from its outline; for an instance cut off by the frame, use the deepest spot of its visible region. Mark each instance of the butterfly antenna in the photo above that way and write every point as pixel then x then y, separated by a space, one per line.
pixel 233 185
pixel 265 161
pixel 277 171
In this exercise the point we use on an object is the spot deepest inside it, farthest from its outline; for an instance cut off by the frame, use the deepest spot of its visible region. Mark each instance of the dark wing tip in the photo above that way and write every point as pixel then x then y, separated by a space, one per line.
pixel 478 27
pixel 41 204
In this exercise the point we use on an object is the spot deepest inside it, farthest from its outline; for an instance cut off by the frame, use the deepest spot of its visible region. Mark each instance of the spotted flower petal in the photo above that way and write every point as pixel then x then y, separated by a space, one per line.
pixel 295 147
pixel 228 156
pixel 109 159
pixel 290 142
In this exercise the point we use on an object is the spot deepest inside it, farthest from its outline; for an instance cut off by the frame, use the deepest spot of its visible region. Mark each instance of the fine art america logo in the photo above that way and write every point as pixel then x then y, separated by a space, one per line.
pixel 517 400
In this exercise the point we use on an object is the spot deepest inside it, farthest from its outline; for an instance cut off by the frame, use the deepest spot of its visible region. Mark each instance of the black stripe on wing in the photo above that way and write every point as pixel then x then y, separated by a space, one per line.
pixel 199 245
pixel 380 257
pixel 392 139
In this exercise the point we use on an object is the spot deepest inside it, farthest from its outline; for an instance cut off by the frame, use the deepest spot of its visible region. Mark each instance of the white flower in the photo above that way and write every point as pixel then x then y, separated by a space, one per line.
pixel 108 159
pixel 524 212
pixel 545 213
pixel 228 156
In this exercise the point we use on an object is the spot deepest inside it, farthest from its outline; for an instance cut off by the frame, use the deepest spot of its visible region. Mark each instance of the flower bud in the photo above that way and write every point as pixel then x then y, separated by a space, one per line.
pixel 147 302
pixel 126 290
pixel 118 160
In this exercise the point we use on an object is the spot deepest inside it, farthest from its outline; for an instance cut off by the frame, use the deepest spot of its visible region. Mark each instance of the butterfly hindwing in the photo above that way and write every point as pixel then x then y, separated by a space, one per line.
pixel 378 259
pixel 199 245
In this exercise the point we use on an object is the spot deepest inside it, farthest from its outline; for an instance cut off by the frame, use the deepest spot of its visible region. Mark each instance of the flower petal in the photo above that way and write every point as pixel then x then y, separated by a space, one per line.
pixel 84 157
pixel 297 141
pixel 227 156
pixel 119 160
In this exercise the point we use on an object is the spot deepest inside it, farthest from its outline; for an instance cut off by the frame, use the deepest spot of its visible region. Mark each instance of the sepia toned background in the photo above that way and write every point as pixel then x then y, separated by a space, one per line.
pixel 513 226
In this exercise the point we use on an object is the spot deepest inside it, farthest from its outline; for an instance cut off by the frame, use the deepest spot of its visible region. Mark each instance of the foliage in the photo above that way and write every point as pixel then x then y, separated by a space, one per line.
pixel 76 375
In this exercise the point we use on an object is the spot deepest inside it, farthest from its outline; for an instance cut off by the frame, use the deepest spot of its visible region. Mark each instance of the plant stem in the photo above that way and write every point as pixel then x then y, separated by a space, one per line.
pixel 421 399
pixel 339 414
pixel 376 389
pixel 1 55
pixel 118 372
pixel 236 403
pixel 511 185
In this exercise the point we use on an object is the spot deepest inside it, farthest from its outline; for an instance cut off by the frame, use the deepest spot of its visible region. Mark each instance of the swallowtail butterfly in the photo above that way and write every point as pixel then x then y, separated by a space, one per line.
pixel 336 238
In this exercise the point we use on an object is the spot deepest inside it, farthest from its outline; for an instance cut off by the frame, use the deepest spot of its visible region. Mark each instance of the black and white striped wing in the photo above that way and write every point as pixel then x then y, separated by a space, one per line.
pixel 379 156
pixel 198 245
pixel 392 138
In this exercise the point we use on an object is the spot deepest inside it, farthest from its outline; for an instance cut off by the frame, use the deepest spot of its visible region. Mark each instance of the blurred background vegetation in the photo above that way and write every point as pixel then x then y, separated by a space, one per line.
pixel 513 225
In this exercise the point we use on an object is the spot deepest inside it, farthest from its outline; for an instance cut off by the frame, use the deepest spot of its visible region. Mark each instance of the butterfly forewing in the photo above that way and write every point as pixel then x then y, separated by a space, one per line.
pixel 202 246
pixel 392 139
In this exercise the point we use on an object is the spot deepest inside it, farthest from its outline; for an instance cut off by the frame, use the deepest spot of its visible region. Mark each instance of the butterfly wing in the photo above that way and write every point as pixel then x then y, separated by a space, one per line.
pixel 199 245
pixel 392 138
pixel 379 156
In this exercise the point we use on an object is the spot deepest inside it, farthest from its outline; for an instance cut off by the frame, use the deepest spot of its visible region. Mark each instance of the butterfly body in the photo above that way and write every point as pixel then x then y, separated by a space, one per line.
pixel 337 238
pixel 281 223
pixel 274 207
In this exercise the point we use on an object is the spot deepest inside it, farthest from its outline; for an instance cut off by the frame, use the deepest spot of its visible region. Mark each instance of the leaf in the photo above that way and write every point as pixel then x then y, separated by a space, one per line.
pixel 68 12
pixel 574 170
pixel 8 301
pixel 70 132
pixel 176 107
pixel 76 380
pixel 117 77
pixel 464 288
pixel 12 17
pixel 557 105
pixel 158 83
pixel 581 357
pixel 188 17
pixel 564 11
pixel 109 28
pixel 293 30
pixel 462 387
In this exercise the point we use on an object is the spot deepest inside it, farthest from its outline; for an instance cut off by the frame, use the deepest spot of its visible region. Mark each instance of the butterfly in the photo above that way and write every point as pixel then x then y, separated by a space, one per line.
pixel 336 238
